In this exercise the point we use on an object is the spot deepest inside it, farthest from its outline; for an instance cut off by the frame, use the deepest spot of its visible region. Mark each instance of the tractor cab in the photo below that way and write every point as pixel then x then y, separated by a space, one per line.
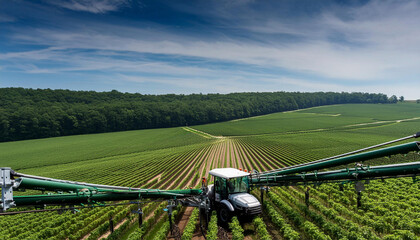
pixel 229 181
pixel 230 193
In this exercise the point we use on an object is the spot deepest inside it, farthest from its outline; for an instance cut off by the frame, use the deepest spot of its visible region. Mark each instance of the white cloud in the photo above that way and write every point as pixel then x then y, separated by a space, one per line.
pixel 92 6
pixel 198 84
pixel 316 57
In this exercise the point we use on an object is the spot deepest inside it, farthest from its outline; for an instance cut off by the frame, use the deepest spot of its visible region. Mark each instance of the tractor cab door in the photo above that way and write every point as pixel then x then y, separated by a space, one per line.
pixel 221 192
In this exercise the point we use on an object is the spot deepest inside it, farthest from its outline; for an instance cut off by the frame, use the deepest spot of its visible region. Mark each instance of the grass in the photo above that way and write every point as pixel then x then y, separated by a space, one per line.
pixel 316 145
pixel 315 119
pixel 377 112
pixel 112 170
pixel 61 150
pixel 278 123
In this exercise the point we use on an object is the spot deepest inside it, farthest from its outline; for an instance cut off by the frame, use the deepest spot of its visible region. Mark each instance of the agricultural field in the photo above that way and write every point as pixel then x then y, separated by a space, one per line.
pixel 61 150
pixel 175 158
pixel 316 119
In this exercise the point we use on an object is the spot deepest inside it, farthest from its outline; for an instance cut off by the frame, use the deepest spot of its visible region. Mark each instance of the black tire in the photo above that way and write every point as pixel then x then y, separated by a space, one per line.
pixel 225 215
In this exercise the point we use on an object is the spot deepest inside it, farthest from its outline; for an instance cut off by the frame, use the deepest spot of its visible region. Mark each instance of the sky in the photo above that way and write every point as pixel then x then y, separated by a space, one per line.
pixel 212 46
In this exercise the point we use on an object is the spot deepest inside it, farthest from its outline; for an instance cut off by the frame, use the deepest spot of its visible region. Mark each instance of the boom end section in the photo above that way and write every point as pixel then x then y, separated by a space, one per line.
pixel 7 185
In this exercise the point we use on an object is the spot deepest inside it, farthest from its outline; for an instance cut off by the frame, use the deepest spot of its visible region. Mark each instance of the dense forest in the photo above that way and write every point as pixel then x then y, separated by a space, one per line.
pixel 40 113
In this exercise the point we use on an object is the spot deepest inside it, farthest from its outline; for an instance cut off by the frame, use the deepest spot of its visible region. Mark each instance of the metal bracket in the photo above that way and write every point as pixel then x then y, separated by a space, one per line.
pixel 360 186
pixel 264 188
pixel 139 212
pixel 7 185
pixel 171 204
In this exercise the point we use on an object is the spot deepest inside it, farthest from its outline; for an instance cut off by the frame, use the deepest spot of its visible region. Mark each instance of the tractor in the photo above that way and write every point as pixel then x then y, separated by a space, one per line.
pixel 229 194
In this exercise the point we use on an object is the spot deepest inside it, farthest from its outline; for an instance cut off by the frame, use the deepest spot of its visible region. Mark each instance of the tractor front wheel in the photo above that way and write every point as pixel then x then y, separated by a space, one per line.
pixel 225 215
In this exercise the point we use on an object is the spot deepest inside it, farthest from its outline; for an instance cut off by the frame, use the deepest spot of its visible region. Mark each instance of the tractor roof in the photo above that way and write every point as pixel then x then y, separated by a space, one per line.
pixel 228 173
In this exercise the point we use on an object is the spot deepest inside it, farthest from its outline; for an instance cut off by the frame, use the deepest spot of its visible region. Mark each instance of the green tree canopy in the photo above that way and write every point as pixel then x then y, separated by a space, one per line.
pixel 40 113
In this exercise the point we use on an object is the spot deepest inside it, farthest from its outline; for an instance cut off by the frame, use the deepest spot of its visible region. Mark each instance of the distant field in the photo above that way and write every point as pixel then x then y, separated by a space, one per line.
pixel 322 144
pixel 61 150
pixel 314 119
pixel 378 112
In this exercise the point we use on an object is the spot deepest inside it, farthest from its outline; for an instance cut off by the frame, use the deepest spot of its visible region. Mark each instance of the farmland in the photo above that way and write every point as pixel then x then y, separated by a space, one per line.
pixel 178 157
pixel 315 119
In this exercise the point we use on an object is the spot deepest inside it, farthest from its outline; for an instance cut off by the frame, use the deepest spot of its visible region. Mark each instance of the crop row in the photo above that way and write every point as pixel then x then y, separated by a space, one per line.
pixel 331 223
pixel 212 228
pixel 333 212
pixel 297 219
pixel 378 211
pixel 191 225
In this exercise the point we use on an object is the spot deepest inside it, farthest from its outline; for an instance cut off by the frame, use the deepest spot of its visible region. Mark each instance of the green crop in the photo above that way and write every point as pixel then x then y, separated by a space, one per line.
pixel 317 119
pixel 191 225
pixel 261 229
pixel 236 228
pixel 61 150
pixel 212 228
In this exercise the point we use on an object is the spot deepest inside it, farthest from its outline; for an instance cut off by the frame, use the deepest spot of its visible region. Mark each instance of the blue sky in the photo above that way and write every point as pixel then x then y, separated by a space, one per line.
pixel 208 46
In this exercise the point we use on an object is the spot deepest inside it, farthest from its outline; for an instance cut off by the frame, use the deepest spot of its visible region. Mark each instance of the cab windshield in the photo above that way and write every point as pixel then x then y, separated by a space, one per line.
pixel 238 185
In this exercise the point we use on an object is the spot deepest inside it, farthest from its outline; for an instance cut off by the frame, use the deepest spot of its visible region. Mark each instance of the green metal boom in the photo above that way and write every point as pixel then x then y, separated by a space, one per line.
pixel 400 149
pixel 300 174
pixel 88 197
pixel 352 174
pixel 89 193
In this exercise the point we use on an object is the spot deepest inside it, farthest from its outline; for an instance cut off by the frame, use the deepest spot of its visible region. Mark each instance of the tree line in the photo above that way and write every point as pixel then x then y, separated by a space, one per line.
pixel 41 113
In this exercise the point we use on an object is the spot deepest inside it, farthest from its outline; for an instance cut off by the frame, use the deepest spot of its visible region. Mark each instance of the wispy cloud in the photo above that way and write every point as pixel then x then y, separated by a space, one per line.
pixel 92 6
pixel 6 18
pixel 317 57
